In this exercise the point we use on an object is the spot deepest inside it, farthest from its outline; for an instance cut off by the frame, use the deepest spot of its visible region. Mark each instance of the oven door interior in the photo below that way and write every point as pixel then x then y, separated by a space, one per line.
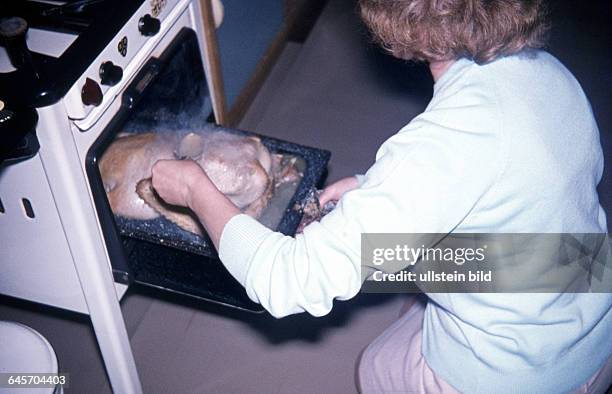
pixel 170 95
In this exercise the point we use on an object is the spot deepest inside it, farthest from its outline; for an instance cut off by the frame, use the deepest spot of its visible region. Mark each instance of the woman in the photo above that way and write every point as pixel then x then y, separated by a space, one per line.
pixel 507 144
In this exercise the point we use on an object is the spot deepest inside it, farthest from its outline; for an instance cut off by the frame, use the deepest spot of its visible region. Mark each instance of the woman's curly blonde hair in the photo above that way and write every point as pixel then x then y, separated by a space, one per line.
pixel 434 30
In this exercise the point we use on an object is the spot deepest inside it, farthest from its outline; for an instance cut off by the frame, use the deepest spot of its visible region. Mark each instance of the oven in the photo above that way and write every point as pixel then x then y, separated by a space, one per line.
pixel 85 74
pixel 163 97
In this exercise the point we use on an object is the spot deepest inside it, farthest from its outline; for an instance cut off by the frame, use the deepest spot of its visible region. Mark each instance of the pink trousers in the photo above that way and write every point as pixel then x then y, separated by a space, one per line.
pixel 393 363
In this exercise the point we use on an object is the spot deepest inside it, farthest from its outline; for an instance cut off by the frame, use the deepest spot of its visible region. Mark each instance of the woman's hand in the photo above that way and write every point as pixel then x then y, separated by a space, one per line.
pixel 184 183
pixel 174 180
pixel 337 189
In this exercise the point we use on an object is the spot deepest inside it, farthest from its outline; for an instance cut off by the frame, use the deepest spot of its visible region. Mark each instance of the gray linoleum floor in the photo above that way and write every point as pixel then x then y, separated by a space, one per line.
pixel 337 92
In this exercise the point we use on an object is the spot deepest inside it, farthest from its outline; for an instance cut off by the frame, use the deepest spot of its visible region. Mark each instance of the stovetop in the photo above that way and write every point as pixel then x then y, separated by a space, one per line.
pixel 64 38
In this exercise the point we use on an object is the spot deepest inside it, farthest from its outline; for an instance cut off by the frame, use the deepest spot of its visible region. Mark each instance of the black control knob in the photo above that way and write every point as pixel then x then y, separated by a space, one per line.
pixel 13 36
pixel 110 74
pixel 91 94
pixel 18 131
pixel 148 26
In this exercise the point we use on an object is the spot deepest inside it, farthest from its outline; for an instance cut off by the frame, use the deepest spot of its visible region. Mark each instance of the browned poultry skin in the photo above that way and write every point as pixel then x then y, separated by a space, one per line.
pixel 239 166
pixel 125 163
pixel 182 217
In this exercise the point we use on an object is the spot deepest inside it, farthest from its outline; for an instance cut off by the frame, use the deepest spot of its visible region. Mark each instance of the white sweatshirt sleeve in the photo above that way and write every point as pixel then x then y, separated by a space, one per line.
pixel 426 179
pixel 360 179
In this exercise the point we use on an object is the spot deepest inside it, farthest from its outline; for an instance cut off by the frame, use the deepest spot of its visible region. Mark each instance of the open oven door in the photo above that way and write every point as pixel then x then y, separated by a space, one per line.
pixel 170 95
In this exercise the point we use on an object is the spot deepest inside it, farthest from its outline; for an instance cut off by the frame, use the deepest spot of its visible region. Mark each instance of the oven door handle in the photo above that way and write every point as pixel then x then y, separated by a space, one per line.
pixel 133 93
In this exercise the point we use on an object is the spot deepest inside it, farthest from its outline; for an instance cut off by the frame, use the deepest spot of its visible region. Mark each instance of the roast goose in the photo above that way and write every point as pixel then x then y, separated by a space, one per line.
pixel 240 166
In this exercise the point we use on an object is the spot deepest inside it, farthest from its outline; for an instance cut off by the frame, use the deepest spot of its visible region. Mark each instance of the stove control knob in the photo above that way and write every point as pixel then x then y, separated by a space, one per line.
pixel 13 37
pixel 148 26
pixel 110 74
pixel 91 94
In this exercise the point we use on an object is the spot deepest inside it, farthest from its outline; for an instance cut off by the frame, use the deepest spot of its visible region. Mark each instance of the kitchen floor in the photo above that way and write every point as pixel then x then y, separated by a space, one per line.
pixel 334 91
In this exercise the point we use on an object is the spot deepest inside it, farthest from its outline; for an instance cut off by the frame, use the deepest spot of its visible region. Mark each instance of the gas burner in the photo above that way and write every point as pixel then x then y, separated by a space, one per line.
pixel 50 44
pixel 71 17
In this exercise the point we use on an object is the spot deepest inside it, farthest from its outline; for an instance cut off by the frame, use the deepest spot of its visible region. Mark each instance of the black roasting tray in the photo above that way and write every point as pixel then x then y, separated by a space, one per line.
pixel 164 232
pixel 185 265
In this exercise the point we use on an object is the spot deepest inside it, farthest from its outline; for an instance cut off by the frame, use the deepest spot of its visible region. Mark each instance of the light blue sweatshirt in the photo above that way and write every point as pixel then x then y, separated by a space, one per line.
pixel 507 147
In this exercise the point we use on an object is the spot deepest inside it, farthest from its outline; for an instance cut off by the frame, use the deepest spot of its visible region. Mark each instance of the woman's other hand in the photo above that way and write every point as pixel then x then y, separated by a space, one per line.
pixel 337 189
pixel 174 180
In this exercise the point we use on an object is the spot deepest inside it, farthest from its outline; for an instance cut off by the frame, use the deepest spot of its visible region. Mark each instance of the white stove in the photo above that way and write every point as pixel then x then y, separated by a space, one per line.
pixel 65 68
